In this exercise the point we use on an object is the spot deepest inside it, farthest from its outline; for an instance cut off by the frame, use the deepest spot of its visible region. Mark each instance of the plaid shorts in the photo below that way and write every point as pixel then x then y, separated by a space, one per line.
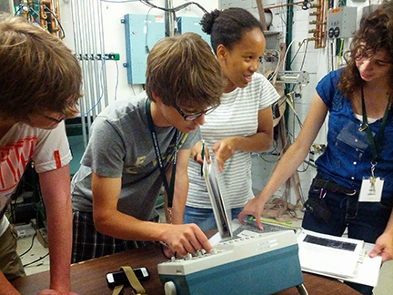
pixel 88 243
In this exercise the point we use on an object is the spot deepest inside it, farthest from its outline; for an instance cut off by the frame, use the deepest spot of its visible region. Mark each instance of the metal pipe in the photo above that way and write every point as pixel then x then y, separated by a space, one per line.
pixel 94 67
pixel 75 11
pixel 288 37
pixel 85 58
pixel 98 65
pixel 169 17
pixel 91 51
pixel 102 45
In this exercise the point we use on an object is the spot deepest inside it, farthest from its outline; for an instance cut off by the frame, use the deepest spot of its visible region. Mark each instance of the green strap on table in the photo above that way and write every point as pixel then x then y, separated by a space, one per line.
pixel 134 282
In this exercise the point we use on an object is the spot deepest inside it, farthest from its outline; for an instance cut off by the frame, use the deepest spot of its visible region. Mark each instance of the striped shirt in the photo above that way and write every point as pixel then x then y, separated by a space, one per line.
pixel 237 115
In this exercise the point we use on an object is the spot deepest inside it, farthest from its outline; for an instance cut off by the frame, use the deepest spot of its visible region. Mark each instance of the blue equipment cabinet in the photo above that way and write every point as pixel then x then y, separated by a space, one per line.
pixel 191 24
pixel 142 33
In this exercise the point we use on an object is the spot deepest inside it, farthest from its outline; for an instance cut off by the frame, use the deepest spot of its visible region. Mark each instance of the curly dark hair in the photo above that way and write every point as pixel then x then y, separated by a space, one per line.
pixel 374 34
pixel 226 27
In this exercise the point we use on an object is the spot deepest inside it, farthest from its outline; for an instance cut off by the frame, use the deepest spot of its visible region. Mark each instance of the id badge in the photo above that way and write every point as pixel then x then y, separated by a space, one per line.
pixel 371 192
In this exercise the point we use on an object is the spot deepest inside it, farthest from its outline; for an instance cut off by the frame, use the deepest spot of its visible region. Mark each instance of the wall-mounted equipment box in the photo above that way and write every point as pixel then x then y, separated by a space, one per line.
pixel 342 22
pixel 192 24
pixel 368 9
pixel 142 33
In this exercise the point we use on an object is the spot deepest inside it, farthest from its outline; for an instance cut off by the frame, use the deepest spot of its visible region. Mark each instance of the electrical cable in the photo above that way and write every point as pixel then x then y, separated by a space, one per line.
pixel 177 8
pixel 304 57
pixel 289 102
pixel 31 246
pixel 147 30
pixel 297 52
pixel 132 88
pixel 283 20
pixel 30 9
pixel 62 36
pixel 273 76
pixel 34 261
pixel 286 51
pixel 274 153
pixel 20 8
pixel 117 80
pixel 102 90
pixel 290 135
pixel 146 2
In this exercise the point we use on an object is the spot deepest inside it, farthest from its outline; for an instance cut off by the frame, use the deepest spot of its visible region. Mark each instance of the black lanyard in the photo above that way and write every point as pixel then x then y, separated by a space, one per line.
pixel 170 188
pixel 376 146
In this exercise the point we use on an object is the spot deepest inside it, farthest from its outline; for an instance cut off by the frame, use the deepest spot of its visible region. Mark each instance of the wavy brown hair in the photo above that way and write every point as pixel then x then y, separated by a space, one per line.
pixel 375 33
pixel 38 72
pixel 182 70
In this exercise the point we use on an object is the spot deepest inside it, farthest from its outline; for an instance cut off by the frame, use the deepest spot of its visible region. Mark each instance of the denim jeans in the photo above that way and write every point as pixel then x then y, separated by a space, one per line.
pixel 365 220
pixel 204 218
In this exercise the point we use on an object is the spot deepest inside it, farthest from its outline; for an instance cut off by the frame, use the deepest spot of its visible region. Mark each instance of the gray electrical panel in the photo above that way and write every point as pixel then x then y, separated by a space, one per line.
pixel 273 39
pixel 368 9
pixel 142 33
pixel 342 22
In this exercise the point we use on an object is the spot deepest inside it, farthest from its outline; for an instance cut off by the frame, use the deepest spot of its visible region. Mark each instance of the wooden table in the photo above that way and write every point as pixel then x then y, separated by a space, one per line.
pixel 88 278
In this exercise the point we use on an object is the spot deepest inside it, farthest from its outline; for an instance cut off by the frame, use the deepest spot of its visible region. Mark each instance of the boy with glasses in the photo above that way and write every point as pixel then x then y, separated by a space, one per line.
pixel 40 84
pixel 136 147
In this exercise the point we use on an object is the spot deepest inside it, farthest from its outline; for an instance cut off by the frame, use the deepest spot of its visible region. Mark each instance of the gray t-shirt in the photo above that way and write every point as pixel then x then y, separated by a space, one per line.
pixel 121 145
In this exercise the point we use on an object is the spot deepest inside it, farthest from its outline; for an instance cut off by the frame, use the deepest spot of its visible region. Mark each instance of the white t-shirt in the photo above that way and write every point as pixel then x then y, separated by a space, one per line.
pixel 48 148
pixel 237 115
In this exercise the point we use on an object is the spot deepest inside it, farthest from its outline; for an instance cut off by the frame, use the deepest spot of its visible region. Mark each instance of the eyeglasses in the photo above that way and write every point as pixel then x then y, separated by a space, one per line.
pixel 194 116
pixel 57 121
